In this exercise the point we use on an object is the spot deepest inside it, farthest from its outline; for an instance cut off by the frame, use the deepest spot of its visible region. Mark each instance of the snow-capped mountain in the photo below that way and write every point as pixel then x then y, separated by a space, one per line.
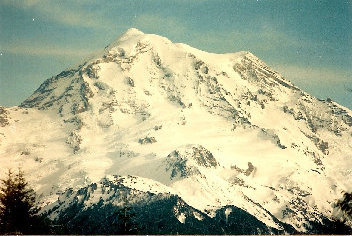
pixel 207 136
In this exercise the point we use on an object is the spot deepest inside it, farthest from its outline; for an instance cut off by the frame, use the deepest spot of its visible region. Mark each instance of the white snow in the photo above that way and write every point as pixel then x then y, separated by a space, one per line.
pixel 191 108
pixel 182 218
pixel 227 213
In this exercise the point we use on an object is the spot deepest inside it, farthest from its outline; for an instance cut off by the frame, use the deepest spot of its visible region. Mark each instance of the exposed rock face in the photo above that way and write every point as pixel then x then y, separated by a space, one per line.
pixel 147 140
pixel 3 117
pixel 71 99
pixel 203 157
pixel 99 207
pixel 184 161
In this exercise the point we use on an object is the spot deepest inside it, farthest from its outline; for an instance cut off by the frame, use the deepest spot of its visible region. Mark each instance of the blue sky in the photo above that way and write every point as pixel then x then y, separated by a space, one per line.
pixel 309 42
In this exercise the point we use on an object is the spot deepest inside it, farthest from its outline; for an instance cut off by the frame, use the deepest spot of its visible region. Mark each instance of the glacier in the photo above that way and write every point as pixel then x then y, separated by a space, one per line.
pixel 210 137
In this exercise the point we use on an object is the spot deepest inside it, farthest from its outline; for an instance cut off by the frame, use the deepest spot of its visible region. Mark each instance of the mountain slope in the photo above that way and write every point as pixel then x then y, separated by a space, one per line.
pixel 215 130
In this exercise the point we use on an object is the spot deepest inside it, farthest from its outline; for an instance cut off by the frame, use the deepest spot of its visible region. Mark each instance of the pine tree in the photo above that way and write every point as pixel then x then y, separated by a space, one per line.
pixel 17 206
pixel 126 224
pixel 346 205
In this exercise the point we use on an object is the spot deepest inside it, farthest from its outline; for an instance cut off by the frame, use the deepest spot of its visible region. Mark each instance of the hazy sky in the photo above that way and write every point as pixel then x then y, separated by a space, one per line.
pixel 310 42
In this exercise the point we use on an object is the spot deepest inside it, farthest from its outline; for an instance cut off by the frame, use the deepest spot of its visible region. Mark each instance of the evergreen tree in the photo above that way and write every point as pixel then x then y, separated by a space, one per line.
pixel 17 207
pixel 346 205
pixel 126 224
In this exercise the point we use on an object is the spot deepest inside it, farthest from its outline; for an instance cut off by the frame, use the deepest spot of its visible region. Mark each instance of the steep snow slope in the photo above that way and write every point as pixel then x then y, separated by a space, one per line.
pixel 214 129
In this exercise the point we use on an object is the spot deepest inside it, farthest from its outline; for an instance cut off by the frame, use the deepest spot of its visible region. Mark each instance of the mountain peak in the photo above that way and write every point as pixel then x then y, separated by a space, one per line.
pixel 129 35
pixel 132 31
pixel 237 133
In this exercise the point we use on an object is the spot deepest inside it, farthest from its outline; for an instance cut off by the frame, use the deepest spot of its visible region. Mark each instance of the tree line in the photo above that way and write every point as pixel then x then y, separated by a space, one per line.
pixel 19 213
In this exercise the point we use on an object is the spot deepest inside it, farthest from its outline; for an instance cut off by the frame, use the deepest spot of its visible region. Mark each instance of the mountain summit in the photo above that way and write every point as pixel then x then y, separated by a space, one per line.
pixel 199 142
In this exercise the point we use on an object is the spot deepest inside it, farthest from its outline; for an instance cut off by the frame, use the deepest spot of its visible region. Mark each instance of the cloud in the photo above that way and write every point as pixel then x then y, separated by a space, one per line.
pixel 306 75
pixel 158 24
pixel 69 13
pixel 46 51
pixel 262 40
